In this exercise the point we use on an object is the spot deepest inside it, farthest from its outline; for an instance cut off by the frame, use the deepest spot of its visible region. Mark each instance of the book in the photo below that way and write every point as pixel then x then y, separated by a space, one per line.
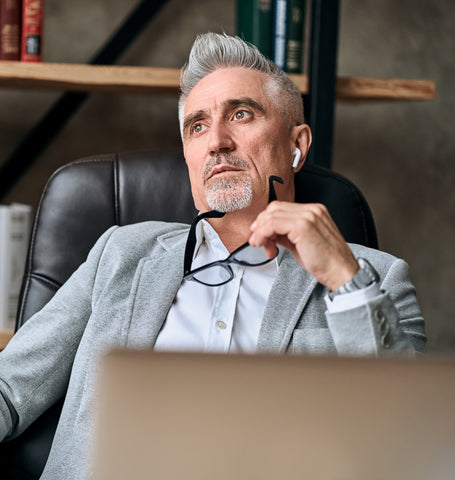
pixel 4 266
pixel 288 32
pixel 32 30
pixel 10 29
pixel 295 39
pixel 254 23
pixel 15 224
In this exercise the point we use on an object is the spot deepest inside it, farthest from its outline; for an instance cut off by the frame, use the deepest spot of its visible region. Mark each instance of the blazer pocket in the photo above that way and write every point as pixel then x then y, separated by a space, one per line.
pixel 312 341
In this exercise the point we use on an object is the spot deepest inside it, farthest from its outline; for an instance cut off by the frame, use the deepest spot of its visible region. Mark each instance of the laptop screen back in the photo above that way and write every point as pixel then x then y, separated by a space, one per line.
pixel 195 416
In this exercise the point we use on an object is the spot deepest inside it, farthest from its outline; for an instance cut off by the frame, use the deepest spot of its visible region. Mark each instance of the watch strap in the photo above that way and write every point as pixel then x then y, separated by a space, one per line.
pixel 365 276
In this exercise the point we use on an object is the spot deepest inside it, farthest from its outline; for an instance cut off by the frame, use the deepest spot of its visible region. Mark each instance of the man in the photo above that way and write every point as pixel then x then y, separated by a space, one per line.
pixel 309 292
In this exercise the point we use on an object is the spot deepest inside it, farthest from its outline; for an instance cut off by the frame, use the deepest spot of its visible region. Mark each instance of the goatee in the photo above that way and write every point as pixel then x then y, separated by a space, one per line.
pixel 229 192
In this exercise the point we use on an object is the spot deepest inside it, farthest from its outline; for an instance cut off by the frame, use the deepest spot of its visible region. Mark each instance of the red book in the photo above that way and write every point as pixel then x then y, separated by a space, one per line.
pixel 32 30
pixel 10 29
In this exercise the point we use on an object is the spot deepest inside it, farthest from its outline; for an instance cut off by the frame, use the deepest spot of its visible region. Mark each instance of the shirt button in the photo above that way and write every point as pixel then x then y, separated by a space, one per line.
pixel 220 324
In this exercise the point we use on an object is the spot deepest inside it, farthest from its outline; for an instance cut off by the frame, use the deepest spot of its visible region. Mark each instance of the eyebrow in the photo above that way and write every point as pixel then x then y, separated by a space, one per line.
pixel 232 102
pixel 244 101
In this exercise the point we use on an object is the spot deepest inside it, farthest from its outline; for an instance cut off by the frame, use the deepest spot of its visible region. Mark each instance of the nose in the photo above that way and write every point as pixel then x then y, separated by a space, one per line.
pixel 220 138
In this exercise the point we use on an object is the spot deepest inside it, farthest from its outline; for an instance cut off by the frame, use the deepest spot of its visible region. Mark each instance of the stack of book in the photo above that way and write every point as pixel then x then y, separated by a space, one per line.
pixel 276 27
pixel 21 30
pixel 15 223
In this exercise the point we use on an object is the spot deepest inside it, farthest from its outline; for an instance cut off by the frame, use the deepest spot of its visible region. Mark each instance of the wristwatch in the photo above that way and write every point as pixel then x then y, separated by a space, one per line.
pixel 362 279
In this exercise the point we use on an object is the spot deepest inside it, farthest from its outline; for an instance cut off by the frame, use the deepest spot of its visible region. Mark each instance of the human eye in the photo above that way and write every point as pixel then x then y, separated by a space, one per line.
pixel 197 128
pixel 242 115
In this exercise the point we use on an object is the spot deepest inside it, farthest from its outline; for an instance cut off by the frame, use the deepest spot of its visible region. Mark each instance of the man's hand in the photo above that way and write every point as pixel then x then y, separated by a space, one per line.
pixel 309 233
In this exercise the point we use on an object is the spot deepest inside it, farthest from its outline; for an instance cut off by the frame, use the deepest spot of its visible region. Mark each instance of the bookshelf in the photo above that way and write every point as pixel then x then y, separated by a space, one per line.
pixel 150 80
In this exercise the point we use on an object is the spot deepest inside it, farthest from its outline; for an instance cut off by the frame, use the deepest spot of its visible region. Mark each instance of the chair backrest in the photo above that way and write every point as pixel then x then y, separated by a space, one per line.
pixel 86 197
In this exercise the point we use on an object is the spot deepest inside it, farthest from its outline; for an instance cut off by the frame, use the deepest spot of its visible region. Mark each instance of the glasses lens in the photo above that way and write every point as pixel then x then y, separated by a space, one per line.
pixel 214 275
pixel 251 256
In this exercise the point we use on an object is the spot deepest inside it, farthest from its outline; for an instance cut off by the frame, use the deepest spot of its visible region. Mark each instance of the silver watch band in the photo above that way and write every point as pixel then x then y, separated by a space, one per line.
pixel 362 279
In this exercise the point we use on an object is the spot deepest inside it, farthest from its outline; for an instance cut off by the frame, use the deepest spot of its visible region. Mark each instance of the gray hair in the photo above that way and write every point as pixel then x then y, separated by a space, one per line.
pixel 212 51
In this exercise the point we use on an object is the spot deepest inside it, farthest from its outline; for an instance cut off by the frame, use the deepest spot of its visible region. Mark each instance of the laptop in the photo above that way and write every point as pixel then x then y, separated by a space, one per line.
pixel 190 416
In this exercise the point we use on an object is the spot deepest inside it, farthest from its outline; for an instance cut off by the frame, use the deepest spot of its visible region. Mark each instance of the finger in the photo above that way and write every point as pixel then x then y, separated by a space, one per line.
pixel 271 249
pixel 314 213
pixel 273 223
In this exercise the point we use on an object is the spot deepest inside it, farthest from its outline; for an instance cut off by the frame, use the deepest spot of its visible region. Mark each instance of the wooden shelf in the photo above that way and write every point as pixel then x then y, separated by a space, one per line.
pixel 65 76
pixel 361 88
pixel 59 76
pixel 5 337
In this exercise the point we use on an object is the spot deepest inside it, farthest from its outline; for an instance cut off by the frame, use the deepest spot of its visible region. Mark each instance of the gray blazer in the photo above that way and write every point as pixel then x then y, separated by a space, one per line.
pixel 120 298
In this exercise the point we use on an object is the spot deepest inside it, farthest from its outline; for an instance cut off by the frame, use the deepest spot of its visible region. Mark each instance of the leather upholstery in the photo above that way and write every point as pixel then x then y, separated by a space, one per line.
pixel 84 198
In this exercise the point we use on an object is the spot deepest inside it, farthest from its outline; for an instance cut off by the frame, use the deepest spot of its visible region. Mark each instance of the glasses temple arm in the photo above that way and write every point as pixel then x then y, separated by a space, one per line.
pixel 272 193
pixel 191 242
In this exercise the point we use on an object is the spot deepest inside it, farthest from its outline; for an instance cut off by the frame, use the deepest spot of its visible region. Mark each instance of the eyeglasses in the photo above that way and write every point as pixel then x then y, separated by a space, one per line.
pixel 220 272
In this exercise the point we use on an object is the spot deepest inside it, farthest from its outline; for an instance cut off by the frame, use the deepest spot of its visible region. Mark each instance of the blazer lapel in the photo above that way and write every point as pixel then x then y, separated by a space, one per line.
pixel 289 295
pixel 155 287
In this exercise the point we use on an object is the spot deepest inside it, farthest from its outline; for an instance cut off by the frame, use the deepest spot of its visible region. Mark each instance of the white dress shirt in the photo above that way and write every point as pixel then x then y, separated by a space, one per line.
pixel 218 319
pixel 228 318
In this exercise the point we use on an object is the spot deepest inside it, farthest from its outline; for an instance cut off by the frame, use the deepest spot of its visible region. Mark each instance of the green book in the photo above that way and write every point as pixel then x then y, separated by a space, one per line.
pixel 254 23
pixel 288 26
pixel 296 26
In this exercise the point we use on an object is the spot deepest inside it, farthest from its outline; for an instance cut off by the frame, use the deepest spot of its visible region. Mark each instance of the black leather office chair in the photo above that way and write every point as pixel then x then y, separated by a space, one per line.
pixel 84 198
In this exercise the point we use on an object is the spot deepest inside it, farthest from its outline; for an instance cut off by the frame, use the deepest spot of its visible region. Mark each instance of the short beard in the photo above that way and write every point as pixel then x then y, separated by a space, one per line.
pixel 232 193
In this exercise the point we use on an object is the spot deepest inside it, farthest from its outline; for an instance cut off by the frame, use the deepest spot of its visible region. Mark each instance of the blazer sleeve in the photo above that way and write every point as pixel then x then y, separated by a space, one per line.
pixel 389 323
pixel 36 364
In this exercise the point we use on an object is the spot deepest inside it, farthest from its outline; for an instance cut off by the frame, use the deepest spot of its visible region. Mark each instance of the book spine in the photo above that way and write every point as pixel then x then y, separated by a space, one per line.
pixel 254 23
pixel 288 26
pixel 15 231
pixel 32 30
pixel 4 266
pixel 10 29
pixel 280 32
pixel 295 30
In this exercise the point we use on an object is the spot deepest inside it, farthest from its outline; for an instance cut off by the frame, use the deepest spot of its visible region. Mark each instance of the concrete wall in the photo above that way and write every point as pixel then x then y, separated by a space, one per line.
pixel 400 154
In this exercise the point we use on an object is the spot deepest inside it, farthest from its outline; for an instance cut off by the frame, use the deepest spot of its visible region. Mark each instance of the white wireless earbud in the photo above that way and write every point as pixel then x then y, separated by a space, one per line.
pixel 296 160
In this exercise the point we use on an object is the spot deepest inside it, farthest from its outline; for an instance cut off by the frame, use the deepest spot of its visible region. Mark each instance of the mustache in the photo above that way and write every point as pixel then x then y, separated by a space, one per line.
pixel 223 159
